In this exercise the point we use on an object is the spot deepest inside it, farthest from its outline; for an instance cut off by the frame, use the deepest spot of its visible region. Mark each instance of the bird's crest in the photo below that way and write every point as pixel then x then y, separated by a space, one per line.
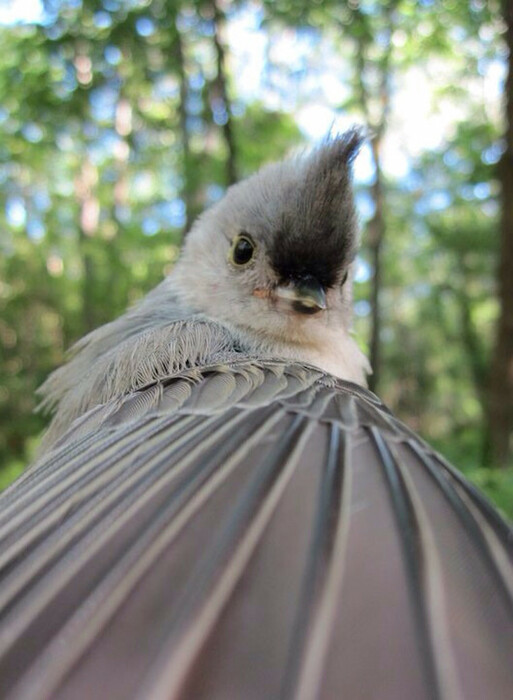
pixel 318 227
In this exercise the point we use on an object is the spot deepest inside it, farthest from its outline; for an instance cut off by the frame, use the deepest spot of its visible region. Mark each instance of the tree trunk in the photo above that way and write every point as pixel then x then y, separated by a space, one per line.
pixel 187 192
pixel 375 235
pixel 88 226
pixel 470 335
pixel 375 104
pixel 221 93
pixel 501 376
pixel 474 352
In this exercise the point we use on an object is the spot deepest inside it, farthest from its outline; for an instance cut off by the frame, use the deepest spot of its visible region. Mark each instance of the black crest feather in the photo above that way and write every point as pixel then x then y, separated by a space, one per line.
pixel 318 226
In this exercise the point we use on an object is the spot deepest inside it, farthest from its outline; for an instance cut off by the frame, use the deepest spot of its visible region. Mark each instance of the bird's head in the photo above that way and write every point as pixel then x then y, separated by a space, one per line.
pixel 274 256
pixel 271 262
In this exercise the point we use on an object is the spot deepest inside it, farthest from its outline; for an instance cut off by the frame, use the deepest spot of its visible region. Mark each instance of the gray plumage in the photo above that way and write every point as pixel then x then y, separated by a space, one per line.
pixel 212 520
pixel 300 210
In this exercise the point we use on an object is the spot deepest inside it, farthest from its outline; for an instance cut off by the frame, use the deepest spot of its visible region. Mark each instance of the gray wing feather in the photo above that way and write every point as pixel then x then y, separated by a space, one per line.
pixel 257 530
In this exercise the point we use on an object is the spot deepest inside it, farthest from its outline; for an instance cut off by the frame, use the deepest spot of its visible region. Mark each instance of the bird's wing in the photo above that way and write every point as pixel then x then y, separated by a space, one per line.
pixel 256 531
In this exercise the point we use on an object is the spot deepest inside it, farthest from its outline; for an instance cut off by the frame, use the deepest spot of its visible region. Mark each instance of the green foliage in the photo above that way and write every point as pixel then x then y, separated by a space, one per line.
pixel 268 136
pixel 497 484
pixel 10 472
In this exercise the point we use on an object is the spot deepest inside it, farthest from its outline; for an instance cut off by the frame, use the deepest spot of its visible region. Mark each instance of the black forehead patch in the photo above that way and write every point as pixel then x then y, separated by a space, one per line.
pixel 316 234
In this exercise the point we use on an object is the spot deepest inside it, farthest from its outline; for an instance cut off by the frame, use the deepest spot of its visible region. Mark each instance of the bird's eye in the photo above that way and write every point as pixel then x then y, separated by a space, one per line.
pixel 242 250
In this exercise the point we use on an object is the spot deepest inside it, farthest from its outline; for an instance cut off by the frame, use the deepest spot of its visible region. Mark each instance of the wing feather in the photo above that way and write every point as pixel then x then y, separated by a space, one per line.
pixel 246 531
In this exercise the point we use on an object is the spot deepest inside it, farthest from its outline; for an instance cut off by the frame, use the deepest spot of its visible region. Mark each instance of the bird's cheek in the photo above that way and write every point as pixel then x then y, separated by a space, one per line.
pixel 273 302
pixel 261 293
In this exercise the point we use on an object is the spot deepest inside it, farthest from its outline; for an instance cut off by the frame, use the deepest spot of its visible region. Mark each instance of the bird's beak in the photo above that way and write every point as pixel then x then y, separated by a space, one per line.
pixel 306 295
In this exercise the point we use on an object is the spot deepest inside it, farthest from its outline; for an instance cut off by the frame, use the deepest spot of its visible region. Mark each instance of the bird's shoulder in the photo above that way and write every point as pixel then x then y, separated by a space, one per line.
pixel 237 384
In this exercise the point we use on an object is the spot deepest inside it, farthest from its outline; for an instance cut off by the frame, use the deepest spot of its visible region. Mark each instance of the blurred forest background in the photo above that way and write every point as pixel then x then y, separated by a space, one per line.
pixel 120 120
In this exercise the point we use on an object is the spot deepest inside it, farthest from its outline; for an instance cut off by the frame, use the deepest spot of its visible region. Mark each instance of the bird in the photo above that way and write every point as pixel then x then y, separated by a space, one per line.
pixel 221 509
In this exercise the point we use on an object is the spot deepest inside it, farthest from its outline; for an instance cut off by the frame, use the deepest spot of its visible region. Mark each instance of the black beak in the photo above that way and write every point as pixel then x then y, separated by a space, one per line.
pixel 305 294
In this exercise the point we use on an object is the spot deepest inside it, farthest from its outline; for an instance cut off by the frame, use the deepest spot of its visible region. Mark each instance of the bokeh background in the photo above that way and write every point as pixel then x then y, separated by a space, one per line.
pixel 120 120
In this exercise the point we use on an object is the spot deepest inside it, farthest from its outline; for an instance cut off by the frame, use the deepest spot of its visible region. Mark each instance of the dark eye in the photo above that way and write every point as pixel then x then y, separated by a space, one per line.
pixel 344 279
pixel 242 250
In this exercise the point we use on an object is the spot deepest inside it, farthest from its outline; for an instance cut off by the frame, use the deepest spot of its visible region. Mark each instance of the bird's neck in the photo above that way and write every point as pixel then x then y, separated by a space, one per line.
pixel 334 351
